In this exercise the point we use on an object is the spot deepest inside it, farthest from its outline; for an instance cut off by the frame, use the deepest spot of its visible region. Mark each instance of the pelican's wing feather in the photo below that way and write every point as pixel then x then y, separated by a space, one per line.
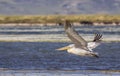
pixel 97 37
pixel 74 36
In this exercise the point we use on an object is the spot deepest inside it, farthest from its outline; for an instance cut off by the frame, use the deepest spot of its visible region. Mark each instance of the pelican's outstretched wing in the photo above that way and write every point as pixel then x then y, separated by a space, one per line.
pixel 74 36
pixel 97 37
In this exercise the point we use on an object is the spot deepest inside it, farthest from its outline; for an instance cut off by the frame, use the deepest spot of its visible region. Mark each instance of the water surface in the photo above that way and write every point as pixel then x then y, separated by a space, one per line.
pixel 56 33
pixel 43 56
pixel 33 56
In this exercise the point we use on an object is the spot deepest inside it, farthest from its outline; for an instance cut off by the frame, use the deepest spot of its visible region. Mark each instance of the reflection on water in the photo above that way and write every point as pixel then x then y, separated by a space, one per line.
pixel 42 55
pixel 56 33
pixel 58 29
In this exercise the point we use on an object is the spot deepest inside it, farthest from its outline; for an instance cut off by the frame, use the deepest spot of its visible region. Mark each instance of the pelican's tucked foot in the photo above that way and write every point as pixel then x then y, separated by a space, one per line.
pixel 95 55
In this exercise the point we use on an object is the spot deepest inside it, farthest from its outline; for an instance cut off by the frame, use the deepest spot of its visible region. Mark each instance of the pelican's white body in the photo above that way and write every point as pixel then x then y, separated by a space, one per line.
pixel 78 51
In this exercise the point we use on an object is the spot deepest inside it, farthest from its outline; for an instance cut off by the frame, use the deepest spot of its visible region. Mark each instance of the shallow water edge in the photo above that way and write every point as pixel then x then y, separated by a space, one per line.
pixel 58 73
pixel 56 33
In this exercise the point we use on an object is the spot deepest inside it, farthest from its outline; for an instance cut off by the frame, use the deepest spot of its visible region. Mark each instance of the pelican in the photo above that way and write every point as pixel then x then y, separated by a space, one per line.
pixel 80 47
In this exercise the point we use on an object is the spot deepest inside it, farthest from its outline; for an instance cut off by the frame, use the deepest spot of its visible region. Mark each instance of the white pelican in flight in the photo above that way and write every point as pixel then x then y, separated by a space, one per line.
pixel 80 46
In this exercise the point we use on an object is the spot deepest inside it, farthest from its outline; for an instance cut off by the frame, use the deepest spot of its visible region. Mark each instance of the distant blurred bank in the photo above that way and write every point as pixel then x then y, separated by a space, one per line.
pixel 53 20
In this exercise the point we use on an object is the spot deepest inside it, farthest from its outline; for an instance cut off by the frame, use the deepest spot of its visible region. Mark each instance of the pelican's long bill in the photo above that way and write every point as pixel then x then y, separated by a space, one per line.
pixel 63 48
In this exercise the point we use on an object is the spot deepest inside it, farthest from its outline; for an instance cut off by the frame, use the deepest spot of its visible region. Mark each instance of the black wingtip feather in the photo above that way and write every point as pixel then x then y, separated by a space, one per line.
pixel 97 37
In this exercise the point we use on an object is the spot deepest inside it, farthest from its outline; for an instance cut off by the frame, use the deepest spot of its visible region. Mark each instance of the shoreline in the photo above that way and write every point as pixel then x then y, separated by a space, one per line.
pixel 58 72
pixel 50 38
pixel 57 24
pixel 53 34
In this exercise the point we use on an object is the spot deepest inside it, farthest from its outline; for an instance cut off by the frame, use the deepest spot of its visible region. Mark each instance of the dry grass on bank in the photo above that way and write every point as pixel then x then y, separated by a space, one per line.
pixel 44 19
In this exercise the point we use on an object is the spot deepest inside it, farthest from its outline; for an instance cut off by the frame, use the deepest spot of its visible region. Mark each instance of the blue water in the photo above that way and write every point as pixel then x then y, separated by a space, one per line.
pixel 43 56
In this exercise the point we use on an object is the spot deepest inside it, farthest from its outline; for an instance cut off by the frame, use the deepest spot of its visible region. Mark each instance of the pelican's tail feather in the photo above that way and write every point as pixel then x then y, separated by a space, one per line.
pixel 63 48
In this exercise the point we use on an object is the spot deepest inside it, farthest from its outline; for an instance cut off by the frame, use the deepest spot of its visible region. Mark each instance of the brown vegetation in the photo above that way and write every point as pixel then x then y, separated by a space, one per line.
pixel 57 19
